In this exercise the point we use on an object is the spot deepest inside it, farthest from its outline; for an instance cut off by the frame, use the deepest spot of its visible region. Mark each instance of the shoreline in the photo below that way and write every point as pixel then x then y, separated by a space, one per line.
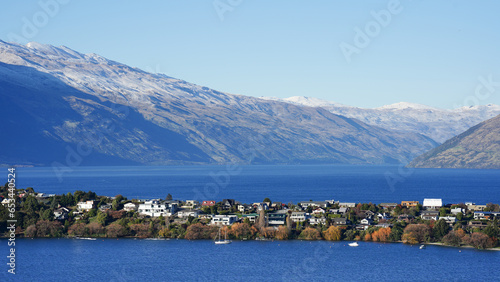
pixel 252 240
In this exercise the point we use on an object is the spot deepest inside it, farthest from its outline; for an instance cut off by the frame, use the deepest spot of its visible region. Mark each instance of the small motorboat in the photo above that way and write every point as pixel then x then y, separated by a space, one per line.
pixel 353 244
pixel 422 247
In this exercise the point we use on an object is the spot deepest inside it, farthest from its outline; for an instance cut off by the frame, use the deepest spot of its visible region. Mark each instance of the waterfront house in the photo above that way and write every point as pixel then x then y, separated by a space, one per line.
pixel 227 204
pixel 474 207
pixel 388 205
pixel 457 210
pixel 223 219
pixel 299 216
pixel 317 220
pixel 277 218
pixel 105 207
pixel 85 206
pixel 314 204
pixel 409 204
pixel 341 221
pixel 61 213
pixel 190 204
pixel 318 211
pixel 130 207
pixel 252 217
pixel 432 204
pixel 347 205
pixel 208 203
pixel 477 224
pixel 429 215
pixel 449 219
pixel 188 213
pixel 478 215
pixel 155 208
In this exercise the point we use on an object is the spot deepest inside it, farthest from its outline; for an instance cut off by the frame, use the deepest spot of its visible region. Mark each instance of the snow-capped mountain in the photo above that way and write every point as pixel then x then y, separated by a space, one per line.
pixel 59 105
pixel 438 124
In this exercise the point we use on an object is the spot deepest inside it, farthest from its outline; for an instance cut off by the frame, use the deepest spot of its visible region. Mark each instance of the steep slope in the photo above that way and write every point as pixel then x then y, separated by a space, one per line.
pixel 438 124
pixel 478 147
pixel 67 98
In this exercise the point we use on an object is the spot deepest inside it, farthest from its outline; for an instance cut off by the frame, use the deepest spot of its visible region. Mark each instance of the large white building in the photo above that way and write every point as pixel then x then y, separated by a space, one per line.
pixel 432 204
pixel 155 208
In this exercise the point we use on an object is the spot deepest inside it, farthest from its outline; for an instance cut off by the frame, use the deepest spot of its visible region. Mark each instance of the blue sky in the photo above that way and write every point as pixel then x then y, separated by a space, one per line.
pixel 429 52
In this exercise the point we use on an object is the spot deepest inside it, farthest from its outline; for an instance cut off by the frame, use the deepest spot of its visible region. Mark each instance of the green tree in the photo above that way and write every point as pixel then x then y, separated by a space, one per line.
pixel 169 197
pixel 267 200
pixel 440 229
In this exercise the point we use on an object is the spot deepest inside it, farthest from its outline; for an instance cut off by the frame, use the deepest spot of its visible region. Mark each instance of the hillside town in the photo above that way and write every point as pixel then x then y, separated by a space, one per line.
pixel 85 214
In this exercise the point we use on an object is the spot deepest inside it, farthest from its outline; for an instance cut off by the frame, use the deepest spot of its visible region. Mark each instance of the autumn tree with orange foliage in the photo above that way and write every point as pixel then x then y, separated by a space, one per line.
pixel 241 231
pixel 310 234
pixel 381 235
pixel 333 233
pixel 282 233
pixel 416 233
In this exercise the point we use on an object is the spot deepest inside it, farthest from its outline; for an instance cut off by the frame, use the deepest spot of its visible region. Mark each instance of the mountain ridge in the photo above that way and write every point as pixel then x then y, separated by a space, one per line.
pixel 210 126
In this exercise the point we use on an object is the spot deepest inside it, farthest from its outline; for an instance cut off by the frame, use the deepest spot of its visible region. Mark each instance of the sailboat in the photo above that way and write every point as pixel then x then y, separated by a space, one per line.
pixel 225 241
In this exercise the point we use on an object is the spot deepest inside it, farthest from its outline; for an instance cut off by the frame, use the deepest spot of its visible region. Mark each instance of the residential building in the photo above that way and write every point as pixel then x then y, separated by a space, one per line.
pixel 130 207
pixel 388 205
pixel 317 220
pixel 252 217
pixel 61 213
pixel 228 203
pixel 457 211
pixel 105 207
pixel 191 204
pixel 347 205
pixel 384 216
pixel 341 221
pixel 85 206
pixel 409 204
pixel 321 204
pixel 155 208
pixel 429 215
pixel 188 213
pixel 223 219
pixel 208 203
pixel 299 216
pixel 474 207
pixel 432 204
pixel 318 211
pixel 276 218
pixel 366 221
pixel 485 215
pixel 449 219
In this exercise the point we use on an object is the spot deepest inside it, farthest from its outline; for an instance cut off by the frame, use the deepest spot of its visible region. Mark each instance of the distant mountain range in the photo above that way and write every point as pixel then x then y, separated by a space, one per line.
pixel 478 147
pixel 58 105
pixel 438 124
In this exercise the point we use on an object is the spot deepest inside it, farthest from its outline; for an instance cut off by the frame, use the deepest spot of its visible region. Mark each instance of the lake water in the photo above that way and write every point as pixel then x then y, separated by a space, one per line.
pixel 182 260
pixel 179 260
pixel 280 183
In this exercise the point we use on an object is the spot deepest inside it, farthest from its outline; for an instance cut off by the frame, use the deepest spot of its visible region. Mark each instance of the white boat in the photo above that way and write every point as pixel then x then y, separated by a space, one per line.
pixel 86 238
pixel 353 244
pixel 225 241
pixel 422 246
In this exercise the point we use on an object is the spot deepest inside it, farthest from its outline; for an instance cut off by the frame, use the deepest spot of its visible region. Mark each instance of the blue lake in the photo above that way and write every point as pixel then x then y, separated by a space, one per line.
pixel 280 183
pixel 182 260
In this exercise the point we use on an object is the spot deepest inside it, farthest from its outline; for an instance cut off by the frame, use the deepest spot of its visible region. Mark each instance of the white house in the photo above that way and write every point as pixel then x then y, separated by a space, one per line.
pixel 188 213
pixel 130 207
pixel 317 220
pixel 432 204
pixel 318 211
pixel 154 208
pixel 85 206
pixel 347 205
pixel 299 216
pixel 457 210
pixel 223 219
pixel 366 221
pixel 448 219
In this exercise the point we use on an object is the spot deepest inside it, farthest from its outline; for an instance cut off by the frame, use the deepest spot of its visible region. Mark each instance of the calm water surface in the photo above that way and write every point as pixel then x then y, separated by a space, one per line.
pixel 280 183
pixel 180 260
